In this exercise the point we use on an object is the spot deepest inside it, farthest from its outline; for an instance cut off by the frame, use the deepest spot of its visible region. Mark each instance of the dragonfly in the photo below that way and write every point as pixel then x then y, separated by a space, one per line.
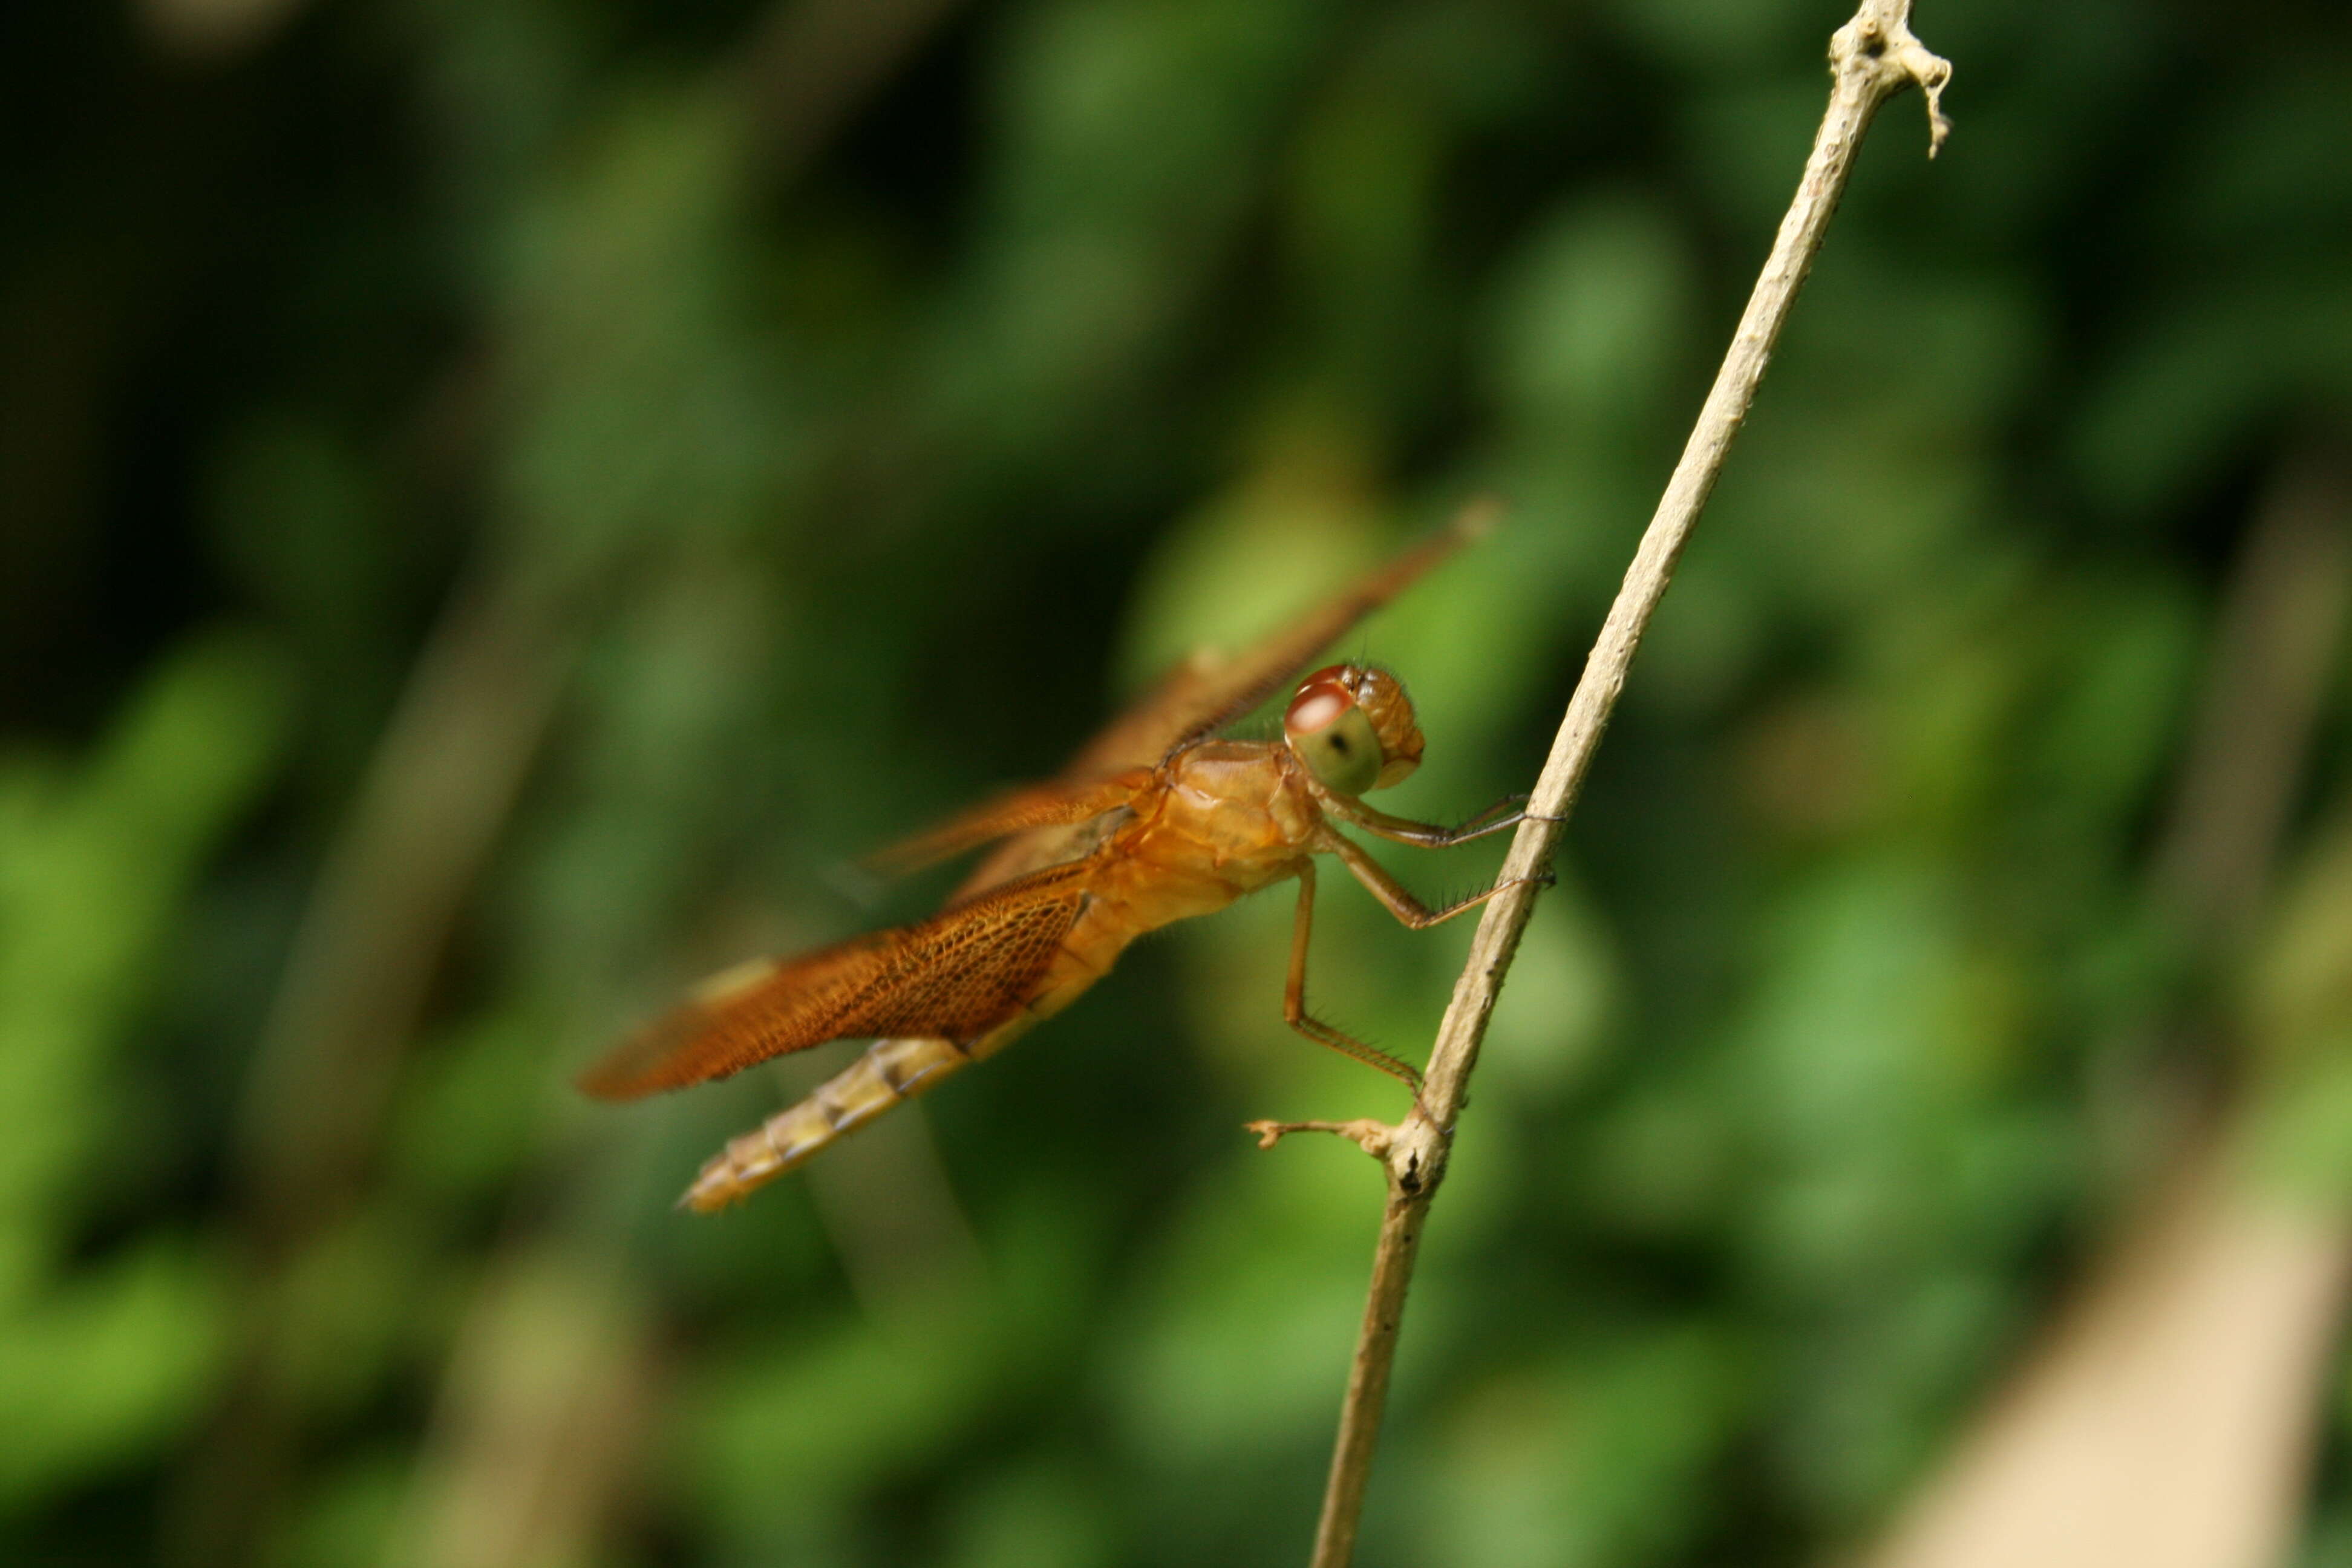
pixel 1159 819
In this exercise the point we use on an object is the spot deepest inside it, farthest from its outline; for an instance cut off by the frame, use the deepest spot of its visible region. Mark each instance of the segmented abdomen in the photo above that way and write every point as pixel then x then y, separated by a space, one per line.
pixel 889 1073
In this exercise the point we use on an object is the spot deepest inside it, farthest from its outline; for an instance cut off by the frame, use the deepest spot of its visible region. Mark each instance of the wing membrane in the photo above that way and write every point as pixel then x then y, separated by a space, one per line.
pixel 978 962
pixel 1195 701
pixel 954 976
pixel 1059 803
pixel 1206 692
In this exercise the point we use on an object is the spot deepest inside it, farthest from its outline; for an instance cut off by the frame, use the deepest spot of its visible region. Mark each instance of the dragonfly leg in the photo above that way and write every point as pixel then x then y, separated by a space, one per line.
pixel 1294 996
pixel 1505 812
pixel 1397 899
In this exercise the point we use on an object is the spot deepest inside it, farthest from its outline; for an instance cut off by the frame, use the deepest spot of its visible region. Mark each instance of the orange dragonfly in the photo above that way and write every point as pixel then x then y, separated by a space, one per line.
pixel 1157 820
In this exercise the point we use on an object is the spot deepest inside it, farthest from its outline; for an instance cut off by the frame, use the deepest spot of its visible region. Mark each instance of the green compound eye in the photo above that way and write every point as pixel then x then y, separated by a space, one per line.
pixel 1332 735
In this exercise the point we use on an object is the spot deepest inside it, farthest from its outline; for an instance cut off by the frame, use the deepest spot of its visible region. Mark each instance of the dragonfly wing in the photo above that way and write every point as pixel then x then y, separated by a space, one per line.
pixel 954 976
pixel 1209 692
pixel 1059 803
pixel 1206 693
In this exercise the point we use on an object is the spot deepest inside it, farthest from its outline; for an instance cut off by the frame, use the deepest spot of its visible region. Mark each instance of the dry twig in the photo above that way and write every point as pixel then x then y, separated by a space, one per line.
pixel 1870 58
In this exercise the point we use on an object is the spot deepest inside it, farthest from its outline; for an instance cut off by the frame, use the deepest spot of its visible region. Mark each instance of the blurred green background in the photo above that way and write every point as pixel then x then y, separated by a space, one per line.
pixel 501 500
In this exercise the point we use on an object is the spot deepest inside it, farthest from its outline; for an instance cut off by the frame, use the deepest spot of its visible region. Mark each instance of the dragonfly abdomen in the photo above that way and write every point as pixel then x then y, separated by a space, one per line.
pixel 886 1074
pixel 892 1071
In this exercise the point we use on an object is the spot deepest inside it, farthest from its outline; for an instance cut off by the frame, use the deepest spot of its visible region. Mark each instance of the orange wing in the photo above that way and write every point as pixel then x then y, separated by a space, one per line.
pixel 977 963
pixel 954 976
pixel 1061 803
pixel 1204 694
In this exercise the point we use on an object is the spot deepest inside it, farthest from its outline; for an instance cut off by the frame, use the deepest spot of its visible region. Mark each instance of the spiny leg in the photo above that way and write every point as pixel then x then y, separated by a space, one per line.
pixel 1373 1137
pixel 1294 996
pixel 1398 899
pixel 1505 812
pixel 1370 1135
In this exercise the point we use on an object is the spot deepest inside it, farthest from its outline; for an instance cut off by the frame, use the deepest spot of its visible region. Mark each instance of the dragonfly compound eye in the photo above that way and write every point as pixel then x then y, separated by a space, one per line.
pixel 1381 697
pixel 1330 732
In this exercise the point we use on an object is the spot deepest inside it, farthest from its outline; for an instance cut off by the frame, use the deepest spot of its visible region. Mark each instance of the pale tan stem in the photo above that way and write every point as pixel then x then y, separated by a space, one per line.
pixel 1371 1136
pixel 1870 58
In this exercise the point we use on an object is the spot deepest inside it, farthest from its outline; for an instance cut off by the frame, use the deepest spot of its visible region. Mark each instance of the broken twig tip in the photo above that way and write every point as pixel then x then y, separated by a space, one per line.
pixel 1880 42
pixel 1372 1137
pixel 1932 81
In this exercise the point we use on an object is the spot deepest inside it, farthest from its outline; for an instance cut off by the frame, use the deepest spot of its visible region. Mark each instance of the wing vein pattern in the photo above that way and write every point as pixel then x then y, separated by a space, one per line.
pixel 954 976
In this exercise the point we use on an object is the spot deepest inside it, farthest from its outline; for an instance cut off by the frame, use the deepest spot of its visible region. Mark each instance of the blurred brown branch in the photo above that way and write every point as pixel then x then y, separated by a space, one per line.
pixel 436 796
pixel 2281 627
pixel 539 1417
pixel 812 63
pixel 1873 57
pixel 2169 1422
pixel 436 800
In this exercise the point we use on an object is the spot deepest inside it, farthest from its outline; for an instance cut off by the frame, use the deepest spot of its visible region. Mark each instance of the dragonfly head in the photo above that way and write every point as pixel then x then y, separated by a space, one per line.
pixel 1352 725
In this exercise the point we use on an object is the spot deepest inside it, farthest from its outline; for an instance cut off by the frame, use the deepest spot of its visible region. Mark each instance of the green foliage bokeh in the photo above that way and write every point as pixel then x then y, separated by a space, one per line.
pixel 825 416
